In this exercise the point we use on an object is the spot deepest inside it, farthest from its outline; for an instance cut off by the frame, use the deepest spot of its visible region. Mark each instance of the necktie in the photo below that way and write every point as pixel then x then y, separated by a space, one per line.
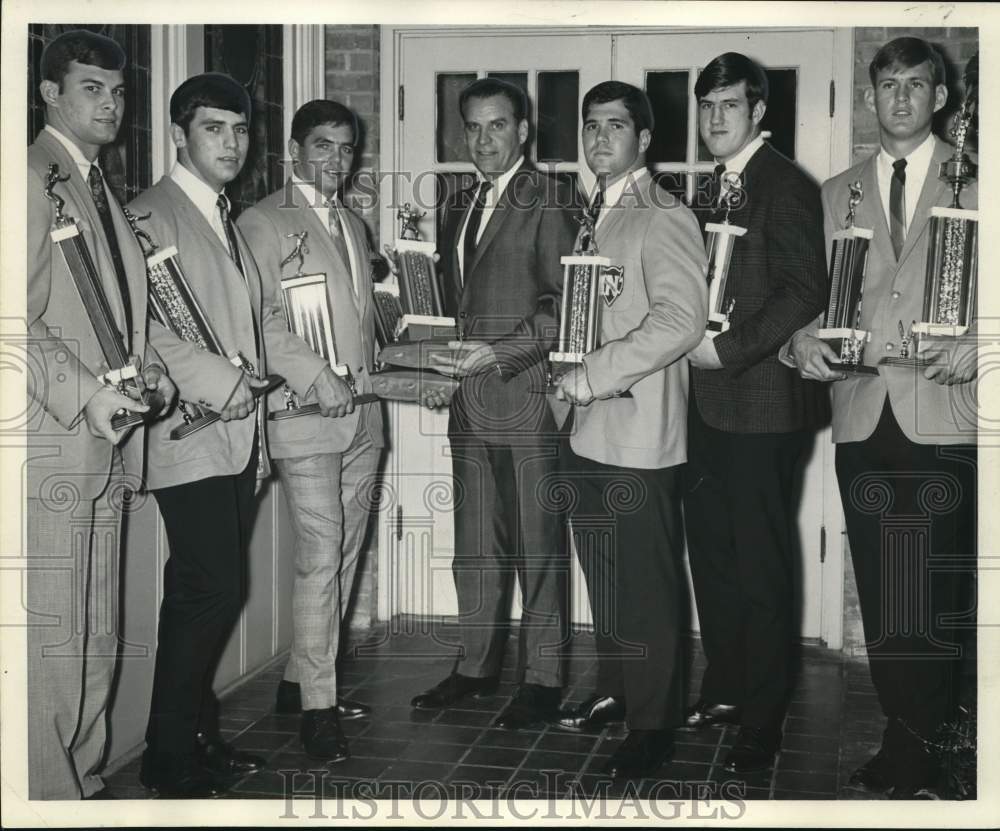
pixel 472 228
pixel 337 235
pixel 593 212
pixel 96 182
pixel 227 226
pixel 897 206
pixel 717 185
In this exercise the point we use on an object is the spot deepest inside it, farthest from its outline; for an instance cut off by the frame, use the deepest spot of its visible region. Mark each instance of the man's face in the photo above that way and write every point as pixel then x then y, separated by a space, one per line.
pixel 905 100
pixel 215 146
pixel 325 157
pixel 610 142
pixel 492 134
pixel 726 120
pixel 89 109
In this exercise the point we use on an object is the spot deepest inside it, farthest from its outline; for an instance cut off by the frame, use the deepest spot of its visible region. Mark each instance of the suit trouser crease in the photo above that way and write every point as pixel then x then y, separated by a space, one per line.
pixel 208 525
pixel 628 533
pixel 326 496
pixel 503 529
pixel 740 518
pixel 72 637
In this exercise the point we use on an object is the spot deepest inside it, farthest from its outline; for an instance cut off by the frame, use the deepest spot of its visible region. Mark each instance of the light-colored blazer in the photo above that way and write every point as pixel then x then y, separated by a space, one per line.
pixel 64 354
pixel 656 320
pixel 266 227
pixel 231 305
pixel 927 413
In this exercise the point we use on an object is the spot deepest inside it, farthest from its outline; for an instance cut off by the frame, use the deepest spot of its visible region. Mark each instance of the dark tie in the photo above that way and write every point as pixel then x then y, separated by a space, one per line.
pixel 227 226
pixel 593 213
pixel 897 206
pixel 337 235
pixel 717 184
pixel 472 228
pixel 96 182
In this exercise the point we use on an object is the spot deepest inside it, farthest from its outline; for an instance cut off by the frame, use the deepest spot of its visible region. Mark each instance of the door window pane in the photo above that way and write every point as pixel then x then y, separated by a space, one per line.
pixel 558 116
pixel 668 96
pixel 450 129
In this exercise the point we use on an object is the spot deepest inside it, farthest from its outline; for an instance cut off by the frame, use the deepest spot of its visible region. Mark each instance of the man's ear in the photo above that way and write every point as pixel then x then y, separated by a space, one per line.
pixel 645 137
pixel 522 131
pixel 49 91
pixel 758 112
pixel 870 98
pixel 177 135
pixel 940 96
pixel 294 150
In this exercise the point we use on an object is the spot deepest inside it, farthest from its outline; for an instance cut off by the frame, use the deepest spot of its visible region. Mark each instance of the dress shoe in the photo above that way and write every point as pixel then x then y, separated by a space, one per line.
pixel 754 750
pixel 591 716
pixel 454 688
pixel 222 758
pixel 704 714
pixel 530 704
pixel 289 702
pixel 873 776
pixel 173 777
pixel 321 735
pixel 913 792
pixel 348 710
pixel 641 754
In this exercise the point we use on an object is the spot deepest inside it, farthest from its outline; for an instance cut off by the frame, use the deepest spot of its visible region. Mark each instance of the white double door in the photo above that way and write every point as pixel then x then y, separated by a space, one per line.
pixel 416 528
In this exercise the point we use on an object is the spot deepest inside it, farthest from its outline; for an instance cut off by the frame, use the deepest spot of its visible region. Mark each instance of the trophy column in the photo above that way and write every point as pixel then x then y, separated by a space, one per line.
pixel 719 241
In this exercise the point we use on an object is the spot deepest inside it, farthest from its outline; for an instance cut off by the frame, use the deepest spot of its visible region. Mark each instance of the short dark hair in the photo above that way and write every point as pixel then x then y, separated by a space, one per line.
pixel 82 46
pixel 488 87
pixel 906 53
pixel 322 111
pixel 210 89
pixel 633 98
pixel 727 70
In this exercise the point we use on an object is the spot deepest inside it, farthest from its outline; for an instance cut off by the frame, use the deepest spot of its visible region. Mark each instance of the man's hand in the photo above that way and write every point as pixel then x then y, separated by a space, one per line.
pixel 812 356
pixel 105 403
pixel 156 379
pixel 241 401
pixel 434 399
pixel 705 355
pixel 333 394
pixel 465 358
pixel 951 363
pixel 574 387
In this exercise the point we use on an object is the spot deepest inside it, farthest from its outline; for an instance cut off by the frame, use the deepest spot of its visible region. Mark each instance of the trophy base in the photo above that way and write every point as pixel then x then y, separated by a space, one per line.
pixel 313 409
pixel 550 389
pixel 415 354
pixel 853 369
pixel 409 386
pixel 915 361
pixel 416 328
pixel 127 418
pixel 182 431
pixel 716 325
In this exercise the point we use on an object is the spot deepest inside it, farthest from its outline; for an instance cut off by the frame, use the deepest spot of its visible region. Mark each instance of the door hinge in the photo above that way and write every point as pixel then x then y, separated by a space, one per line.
pixel 402 101
pixel 822 543
pixel 833 97
pixel 399 522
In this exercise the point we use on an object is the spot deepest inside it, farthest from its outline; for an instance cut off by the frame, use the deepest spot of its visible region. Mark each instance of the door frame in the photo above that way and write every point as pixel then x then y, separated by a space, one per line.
pixel 392 41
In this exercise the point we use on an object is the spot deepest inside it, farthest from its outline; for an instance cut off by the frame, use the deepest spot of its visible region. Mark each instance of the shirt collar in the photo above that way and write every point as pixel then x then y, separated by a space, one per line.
pixel 613 193
pixel 501 182
pixel 918 159
pixel 78 158
pixel 204 198
pixel 738 162
pixel 314 199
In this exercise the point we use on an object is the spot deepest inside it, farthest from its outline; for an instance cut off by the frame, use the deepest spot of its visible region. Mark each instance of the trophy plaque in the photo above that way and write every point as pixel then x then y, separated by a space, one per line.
pixel 123 373
pixel 719 240
pixel 848 261
pixel 307 311
pixel 950 281
pixel 419 290
pixel 174 304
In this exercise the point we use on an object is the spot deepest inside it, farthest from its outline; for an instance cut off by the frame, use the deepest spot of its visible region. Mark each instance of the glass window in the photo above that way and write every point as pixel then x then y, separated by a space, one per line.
pixel 668 96
pixel 450 129
pixel 558 116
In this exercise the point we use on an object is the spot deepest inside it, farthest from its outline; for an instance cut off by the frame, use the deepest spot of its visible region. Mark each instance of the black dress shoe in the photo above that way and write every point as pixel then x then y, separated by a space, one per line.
pixel 754 750
pixel 289 698
pixel 873 776
pixel 222 758
pixel 530 705
pixel 454 688
pixel 321 735
pixel 348 710
pixel 172 777
pixel 703 715
pixel 641 754
pixel 591 716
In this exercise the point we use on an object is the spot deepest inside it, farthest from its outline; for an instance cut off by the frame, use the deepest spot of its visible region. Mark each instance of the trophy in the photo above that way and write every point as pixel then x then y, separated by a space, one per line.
pixel 123 369
pixel 175 306
pixel 720 238
pixel 950 281
pixel 848 260
pixel 419 291
pixel 388 314
pixel 307 311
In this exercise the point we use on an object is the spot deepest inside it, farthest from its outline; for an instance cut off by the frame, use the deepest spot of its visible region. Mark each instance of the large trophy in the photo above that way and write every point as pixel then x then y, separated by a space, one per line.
pixel 848 260
pixel 175 306
pixel 307 310
pixel 952 253
pixel 388 313
pixel 719 241
pixel 123 372
pixel 419 291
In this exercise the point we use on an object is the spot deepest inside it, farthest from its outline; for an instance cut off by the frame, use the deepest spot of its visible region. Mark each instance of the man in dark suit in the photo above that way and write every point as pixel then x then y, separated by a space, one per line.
pixel 72 585
pixel 904 434
pixel 751 419
pixel 501 248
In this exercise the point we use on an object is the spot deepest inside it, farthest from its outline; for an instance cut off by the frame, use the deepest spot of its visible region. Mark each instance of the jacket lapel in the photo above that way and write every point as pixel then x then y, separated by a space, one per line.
pixel 519 183
pixel 930 195
pixel 871 212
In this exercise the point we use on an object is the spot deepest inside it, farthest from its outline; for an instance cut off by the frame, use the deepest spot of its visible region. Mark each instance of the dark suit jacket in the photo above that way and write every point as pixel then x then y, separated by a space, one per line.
pixel 778 278
pixel 510 298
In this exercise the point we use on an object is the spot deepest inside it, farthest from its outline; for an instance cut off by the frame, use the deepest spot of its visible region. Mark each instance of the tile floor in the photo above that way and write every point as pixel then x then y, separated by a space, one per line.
pixel 833 725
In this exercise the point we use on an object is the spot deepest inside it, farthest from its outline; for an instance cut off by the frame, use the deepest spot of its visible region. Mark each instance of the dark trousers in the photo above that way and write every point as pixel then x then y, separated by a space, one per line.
pixel 911 522
pixel 629 538
pixel 208 525
pixel 739 514
pixel 506 525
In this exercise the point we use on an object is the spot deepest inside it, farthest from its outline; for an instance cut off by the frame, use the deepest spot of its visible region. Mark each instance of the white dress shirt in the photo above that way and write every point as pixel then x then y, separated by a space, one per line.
pixel 614 192
pixel 917 165
pixel 492 198
pixel 205 199
pixel 320 206
pixel 82 163
pixel 738 163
